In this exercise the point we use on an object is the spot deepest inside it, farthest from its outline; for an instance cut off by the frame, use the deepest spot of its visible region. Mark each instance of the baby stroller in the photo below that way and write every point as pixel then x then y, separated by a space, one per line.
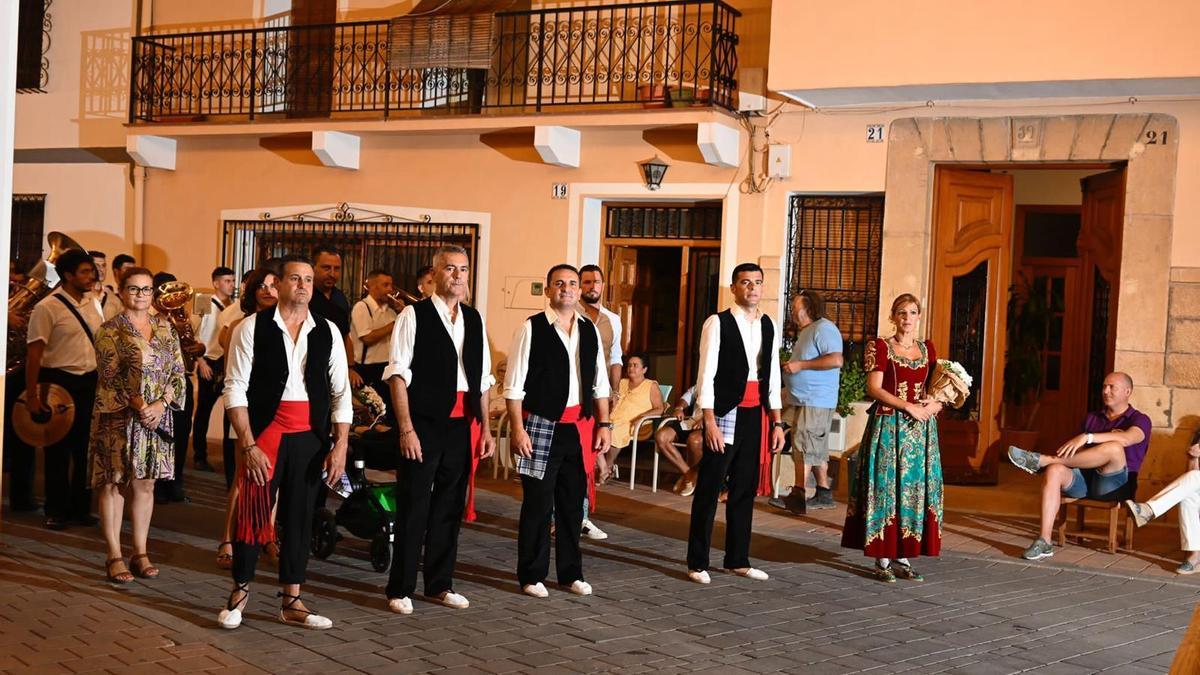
pixel 368 509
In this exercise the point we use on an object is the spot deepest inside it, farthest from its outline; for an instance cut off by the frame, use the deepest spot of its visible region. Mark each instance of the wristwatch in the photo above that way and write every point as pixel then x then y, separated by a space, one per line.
pixel 605 425
pixel 778 425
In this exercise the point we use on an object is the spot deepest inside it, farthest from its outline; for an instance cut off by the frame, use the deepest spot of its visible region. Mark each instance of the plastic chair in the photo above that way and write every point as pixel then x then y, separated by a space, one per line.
pixel 637 432
pixel 503 457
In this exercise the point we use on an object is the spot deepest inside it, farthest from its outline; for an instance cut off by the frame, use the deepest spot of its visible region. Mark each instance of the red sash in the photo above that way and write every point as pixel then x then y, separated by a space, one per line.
pixel 751 399
pixel 586 428
pixel 458 412
pixel 253 516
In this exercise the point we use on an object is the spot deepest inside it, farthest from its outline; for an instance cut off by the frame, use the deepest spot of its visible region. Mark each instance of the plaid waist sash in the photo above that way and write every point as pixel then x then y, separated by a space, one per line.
pixel 541 436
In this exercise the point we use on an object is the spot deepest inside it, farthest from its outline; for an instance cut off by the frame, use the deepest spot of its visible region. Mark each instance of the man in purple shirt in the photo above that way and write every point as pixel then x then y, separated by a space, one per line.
pixel 1095 464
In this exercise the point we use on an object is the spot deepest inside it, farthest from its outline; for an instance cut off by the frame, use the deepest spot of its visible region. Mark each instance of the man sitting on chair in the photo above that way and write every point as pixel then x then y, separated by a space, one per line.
pixel 1095 464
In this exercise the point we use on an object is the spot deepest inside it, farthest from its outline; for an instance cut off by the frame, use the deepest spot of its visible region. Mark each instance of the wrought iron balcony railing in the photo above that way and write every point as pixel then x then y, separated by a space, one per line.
pixel 649 54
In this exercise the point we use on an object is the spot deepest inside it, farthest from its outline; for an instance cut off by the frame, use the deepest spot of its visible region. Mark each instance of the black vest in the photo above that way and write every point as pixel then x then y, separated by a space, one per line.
pixel 435 363
pixel 269 373
pixel 547 381
pixel 729 383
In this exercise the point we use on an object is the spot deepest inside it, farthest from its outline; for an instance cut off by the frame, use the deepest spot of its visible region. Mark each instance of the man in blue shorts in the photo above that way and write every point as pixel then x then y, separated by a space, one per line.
pixel 1095 463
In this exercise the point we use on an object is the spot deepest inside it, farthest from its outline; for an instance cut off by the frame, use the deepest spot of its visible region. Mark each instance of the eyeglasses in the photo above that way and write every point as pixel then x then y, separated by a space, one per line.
pixel 140 290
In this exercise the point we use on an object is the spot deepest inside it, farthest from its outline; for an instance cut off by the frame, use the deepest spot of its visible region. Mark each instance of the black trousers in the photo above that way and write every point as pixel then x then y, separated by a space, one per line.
pixel 19 458
pixel 372 375
pixel 68 493
pixel 173 489
pixel 294 486
pixel 207 395
pixel 430 497
pixel 739 466
pixel 559 495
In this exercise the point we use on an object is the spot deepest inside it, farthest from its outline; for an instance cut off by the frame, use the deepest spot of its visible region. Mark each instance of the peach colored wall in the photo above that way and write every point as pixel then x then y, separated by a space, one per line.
pixel 881 42
pixel 455 172
pixel 830 154
pixel 88 202
pixel 78 111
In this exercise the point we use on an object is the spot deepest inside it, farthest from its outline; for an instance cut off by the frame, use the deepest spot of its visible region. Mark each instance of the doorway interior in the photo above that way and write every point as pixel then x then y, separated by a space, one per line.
pixel 662 263
pixel 1042 239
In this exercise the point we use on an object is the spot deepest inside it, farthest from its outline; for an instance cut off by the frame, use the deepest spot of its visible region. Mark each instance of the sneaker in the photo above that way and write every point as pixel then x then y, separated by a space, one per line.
pixel 822 500
pixel 1039 549
pixel 1142 513
pixel 580 587
pixel 1024 460
pixel 699 576
pixel 537 590
pixel 751 573
pixel 400 605
pixel 591 531
pixel 688 489
pixel 1186 567
pixel 454 600
pixel 792 503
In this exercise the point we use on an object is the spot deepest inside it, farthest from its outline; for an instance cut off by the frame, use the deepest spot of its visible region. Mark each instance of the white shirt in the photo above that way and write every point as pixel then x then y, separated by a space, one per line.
pixel 210 328
pixel 710 346
pixel 366 316
pixel 68 348
pixel 518 360
pixel 404 336
pixel 241 360
pixel 110 304
pixel 230 314
pixel 609 325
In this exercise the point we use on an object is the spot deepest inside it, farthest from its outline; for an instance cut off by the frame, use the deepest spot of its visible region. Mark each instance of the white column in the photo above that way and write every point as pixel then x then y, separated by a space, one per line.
pixel 8 109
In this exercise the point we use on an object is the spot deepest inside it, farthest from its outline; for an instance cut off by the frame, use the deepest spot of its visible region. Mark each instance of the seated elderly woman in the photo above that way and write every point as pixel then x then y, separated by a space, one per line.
pixel 637 396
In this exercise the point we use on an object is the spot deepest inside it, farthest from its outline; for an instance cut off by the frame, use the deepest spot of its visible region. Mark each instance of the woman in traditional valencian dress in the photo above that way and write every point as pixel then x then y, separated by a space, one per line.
pixel 141 382
pixel 895 505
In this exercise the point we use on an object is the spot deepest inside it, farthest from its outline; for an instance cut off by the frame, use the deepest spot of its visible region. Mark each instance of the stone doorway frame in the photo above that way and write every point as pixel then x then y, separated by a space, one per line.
pixel 915 145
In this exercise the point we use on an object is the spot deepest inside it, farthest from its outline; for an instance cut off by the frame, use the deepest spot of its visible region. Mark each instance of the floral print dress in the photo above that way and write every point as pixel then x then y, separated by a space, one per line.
pixel 121 449
pixel 895 501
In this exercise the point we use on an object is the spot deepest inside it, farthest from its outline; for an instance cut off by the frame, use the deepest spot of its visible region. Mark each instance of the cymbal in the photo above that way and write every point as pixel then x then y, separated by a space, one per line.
pixel 53 428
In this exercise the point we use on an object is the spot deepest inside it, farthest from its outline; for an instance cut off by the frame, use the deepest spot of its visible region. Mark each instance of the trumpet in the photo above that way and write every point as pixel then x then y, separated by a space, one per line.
pixel 399 295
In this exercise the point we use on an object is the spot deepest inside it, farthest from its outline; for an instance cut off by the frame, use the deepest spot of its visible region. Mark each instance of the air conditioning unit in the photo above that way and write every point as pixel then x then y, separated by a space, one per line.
pixel 752 90
pixel 837 434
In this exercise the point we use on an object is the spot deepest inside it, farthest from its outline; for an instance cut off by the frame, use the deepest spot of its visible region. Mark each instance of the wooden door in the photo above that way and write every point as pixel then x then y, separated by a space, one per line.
pixel 622 285
pixel 1064 355
pixel 1100 239
pixel 310 58
pixel 700 301
pixel 965 313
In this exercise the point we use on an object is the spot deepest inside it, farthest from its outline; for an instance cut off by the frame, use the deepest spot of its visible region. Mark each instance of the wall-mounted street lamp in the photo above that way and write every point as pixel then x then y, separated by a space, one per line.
pixel 653 171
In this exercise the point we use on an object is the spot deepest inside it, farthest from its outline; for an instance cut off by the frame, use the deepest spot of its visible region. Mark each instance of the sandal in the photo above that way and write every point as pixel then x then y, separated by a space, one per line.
pixel 885 574
pixel 146 570
pixel 231 616
pixel 225 560
pixel 311 619
pixel 120 577
pixel 903 571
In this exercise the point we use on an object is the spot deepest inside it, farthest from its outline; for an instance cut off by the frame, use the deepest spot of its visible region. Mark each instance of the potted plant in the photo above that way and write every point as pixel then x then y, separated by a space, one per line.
pixel 1024 376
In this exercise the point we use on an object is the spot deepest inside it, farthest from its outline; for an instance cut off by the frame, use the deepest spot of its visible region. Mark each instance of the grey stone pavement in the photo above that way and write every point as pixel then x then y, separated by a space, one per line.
pixel 979 611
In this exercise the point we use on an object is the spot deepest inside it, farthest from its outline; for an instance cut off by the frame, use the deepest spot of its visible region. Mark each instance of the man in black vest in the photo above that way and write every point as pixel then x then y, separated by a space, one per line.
pixel 439 371
pixel 555 386
pixel 285 378
pixel 737 383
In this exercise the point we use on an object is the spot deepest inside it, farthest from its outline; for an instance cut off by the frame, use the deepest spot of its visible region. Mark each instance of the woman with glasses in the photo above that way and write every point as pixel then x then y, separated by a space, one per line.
pixel 140 369
pixel 260 294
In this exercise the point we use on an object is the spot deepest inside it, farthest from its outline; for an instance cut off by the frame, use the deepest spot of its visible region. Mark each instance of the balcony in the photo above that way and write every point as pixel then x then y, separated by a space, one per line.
pixel 677 53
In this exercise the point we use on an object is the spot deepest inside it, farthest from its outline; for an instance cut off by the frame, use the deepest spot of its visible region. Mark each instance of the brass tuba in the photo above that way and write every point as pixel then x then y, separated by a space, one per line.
pixel 173 301
pixel 22 298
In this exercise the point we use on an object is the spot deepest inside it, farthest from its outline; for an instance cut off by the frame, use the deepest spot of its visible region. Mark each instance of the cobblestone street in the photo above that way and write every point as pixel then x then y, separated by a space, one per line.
pixel 981 609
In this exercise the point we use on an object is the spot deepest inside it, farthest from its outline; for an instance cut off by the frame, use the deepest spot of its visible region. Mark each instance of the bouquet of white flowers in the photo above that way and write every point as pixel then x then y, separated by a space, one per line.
pixel 369 407
pixel 950 384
